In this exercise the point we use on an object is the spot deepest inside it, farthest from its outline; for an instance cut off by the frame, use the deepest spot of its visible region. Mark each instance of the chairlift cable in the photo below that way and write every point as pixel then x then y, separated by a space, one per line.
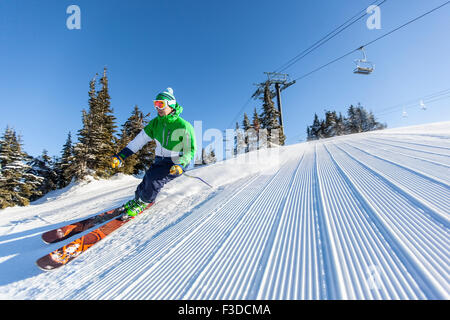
pixel 414 101
pixel 324 39
pixel 409 106
pixel 405 24
pixel 371 42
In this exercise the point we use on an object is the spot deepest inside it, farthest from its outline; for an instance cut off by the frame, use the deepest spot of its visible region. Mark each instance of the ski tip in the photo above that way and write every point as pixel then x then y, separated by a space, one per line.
pixel 43 268
pixel 47 264
pixel 43 240
pixel 53 236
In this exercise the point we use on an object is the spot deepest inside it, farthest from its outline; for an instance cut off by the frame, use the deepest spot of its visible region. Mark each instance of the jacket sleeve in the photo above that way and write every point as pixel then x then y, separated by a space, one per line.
pixel 135 145
pixel 189 146
pixel 139 141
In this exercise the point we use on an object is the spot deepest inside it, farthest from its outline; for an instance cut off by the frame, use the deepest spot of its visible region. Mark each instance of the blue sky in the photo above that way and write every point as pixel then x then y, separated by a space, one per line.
pixel 211 53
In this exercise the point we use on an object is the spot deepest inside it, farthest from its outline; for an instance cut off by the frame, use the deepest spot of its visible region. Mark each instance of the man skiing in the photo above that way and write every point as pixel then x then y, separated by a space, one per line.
pixel 175 148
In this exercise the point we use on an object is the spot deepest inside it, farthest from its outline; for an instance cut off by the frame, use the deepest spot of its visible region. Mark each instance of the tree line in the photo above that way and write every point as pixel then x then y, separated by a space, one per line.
pixel 263 130
pixel 24 178
pixel 357 120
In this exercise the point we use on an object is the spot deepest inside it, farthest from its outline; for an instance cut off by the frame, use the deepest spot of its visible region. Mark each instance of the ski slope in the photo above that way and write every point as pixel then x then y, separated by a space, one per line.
pixel 363 216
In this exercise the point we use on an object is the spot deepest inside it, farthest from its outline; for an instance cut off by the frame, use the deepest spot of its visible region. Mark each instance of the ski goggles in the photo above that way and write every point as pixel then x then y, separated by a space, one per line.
pixel 162 104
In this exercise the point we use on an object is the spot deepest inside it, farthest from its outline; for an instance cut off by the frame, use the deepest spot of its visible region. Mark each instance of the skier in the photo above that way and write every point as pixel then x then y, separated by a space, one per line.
pixel 175 148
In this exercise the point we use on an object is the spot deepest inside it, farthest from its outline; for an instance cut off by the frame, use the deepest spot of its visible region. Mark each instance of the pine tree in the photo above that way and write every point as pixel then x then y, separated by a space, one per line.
pixel 256 120
pixel 373 124
pixel 246 122
pixel 358 120
pixel 208 157
pixel 84 154
pixel 340 125
pixel 104 141
pixel 322 129
pixel 253 132
pixel 316 128
pixel 66 164
pixel 17 184
pixel 212 156
pixel 330 124
pixel 143 159
pixel 239 140
pixel 204 157
pixel 246 126
pixel 44 167
pixel 96 139
pixel 269 118
pixel 352 121
pixel 362 118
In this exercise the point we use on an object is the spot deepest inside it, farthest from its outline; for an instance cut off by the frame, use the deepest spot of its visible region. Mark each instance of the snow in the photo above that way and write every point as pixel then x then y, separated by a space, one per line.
pixel 364 216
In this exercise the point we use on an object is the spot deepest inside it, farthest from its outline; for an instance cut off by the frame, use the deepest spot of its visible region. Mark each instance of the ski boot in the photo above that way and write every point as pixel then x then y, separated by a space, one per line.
pixel 133 208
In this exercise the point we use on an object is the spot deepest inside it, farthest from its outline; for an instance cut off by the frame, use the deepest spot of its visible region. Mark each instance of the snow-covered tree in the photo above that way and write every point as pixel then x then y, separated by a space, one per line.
pixel 96 138
pixel 358 120
pixel 256 122
pixel 308 134
pixel 340 125
pixel 83 150
pixel 252 132
pixel 246 126
pixel 246 122
pixel 352 120
pixel 17 183
pixel 65 166
pixel 330 125
pixel 239 140
pixel 212 156
pixel 44 167
pixel 208 157
pixel 315 131
pixel 269 117
pixel 104 129
pixel 143 159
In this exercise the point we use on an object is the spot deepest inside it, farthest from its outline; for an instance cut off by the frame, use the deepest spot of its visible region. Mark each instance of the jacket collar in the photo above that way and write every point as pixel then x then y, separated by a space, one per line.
pixel 174 115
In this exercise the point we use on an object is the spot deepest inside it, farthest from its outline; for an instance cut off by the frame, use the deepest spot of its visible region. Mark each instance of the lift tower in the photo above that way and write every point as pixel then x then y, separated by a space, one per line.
pixel 281 82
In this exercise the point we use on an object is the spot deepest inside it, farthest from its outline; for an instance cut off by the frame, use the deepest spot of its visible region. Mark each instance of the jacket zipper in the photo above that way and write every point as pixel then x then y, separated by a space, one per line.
pixel 164 131
pixel 162 142
pixel 167 134
pixel 167 138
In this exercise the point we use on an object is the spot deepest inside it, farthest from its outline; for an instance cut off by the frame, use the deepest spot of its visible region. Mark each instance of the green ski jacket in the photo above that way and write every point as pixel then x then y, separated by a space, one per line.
pixel 173 135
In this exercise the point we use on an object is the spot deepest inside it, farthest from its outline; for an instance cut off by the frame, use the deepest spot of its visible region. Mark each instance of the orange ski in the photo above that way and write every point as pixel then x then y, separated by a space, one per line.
pixel 72 229
pixel 70 251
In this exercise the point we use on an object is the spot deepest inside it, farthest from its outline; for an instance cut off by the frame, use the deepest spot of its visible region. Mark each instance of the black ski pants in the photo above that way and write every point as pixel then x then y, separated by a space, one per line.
pixel 155 178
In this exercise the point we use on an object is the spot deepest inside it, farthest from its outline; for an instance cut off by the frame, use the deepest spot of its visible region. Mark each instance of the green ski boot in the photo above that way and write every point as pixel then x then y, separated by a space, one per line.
pixel 134 207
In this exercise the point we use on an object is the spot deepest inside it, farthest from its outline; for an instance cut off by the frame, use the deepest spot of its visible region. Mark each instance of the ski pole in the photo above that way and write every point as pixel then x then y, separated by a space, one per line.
pixel 194 177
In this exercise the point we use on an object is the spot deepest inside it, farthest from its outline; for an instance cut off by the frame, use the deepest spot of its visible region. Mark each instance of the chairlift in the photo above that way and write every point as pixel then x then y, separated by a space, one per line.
pixel 422 105
pixel 362 65
pixel 404 113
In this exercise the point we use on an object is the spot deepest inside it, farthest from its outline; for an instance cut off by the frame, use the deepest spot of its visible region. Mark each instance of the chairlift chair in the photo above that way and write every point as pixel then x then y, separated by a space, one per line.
pixel 362 65
pixel 404 113
pixel 422 105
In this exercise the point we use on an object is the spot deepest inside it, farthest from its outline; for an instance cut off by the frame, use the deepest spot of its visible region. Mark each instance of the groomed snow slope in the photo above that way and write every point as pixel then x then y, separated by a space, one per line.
pixel 364 216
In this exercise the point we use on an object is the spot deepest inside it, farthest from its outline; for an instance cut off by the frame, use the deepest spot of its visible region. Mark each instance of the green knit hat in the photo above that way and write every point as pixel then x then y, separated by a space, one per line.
pixel 167 95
